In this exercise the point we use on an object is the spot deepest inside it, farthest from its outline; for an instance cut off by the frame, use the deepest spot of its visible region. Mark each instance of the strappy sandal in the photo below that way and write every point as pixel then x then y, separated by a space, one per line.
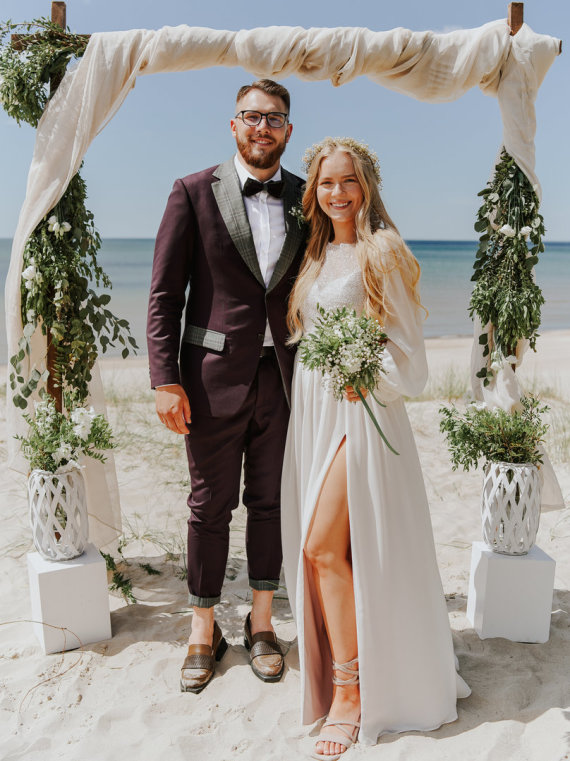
pixel 324 736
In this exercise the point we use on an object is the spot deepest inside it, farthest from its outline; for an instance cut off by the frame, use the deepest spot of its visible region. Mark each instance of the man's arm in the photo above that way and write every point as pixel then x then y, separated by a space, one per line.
pixel 170 276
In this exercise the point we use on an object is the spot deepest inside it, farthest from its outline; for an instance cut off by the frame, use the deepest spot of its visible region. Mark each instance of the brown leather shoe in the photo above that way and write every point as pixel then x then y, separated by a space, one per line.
pixel 265 655
pixel 200 662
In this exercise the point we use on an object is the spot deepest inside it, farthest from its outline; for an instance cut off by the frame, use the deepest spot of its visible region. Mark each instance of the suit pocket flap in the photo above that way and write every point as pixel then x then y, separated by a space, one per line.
pixel 210 339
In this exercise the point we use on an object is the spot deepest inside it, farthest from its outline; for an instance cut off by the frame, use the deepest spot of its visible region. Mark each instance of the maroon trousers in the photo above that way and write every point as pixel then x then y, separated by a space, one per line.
pixel 215 447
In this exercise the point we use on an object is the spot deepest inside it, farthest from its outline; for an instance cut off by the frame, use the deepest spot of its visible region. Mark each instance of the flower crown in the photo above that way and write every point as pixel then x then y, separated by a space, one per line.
pixel 365 153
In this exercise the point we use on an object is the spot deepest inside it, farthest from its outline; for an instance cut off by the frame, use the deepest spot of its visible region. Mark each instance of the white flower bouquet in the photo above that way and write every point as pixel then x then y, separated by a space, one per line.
pixel 56 441
pixel 347 349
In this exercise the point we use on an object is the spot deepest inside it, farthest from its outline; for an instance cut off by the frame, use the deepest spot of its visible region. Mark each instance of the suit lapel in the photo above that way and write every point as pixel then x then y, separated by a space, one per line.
pixel 294 235
pixel 227 193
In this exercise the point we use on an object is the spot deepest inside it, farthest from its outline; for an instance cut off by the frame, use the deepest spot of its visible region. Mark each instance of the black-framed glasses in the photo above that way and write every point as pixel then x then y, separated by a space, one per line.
pixel 274 119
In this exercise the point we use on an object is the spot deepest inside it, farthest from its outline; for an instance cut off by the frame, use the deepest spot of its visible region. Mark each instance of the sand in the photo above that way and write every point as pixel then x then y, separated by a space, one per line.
pixel 120 699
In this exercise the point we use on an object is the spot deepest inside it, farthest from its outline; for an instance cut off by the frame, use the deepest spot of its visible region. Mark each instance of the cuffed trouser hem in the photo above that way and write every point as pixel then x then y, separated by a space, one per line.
pixel 264 586
pixel 203 602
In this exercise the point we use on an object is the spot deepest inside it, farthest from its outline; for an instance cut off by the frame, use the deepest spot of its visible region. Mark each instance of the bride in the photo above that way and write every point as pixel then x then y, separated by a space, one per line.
pixel 375 645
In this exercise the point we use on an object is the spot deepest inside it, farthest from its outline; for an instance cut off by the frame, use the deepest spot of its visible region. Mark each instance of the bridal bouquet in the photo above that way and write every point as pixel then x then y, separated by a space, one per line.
pixel 348 350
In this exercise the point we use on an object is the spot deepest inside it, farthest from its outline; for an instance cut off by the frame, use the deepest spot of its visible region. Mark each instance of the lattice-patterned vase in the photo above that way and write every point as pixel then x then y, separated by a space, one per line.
pixel 510 507
pixel 58 513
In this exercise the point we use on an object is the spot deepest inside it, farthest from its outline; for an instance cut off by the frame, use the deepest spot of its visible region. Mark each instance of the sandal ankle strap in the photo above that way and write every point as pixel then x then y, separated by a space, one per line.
pixel 346 668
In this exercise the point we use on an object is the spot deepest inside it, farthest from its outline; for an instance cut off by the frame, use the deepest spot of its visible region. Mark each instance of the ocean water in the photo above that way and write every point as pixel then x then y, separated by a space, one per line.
pixel 445 284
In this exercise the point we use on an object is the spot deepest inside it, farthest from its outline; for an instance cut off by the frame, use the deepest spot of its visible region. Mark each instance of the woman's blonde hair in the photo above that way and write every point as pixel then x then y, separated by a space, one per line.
pixel 380 247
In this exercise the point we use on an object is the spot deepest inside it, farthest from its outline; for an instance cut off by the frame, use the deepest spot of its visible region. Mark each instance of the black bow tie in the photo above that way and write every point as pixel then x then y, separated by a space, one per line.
pixel 252 187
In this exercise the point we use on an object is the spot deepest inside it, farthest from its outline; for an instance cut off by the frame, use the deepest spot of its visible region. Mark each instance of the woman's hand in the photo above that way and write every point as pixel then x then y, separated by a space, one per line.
pixel 351 395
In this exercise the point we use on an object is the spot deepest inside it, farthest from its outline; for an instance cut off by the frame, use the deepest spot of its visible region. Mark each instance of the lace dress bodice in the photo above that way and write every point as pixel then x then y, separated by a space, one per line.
pixel 338 284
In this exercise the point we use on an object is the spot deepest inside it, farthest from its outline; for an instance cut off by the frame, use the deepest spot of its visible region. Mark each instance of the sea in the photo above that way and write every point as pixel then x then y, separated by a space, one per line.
pixel 445 284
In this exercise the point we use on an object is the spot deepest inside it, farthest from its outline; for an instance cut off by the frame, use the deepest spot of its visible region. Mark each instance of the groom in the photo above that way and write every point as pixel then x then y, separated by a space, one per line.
pixel 228 236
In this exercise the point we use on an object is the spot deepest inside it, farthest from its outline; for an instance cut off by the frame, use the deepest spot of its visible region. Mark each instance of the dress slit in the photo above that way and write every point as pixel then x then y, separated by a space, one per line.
pixel 317 652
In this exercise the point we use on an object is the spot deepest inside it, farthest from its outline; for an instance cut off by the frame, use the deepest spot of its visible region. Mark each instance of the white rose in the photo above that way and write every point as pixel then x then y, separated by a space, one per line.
pixel 29 273
pixel 496 365
pixel 525 231
pixel 353 365
pixel 507 231
pixel 493 197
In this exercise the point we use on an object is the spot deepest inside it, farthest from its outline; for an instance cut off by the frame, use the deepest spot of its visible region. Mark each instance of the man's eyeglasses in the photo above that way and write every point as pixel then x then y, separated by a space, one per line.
pixel 274 119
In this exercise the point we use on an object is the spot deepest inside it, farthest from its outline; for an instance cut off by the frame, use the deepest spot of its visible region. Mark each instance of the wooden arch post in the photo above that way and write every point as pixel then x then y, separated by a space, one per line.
pixel 58 16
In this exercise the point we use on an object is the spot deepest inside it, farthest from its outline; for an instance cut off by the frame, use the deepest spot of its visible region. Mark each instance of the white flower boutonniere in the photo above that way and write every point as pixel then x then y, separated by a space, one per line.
pixel 297 212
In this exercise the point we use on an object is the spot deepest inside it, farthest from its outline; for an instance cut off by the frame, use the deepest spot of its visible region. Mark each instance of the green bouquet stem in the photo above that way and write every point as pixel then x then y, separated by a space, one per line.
pixel 377 425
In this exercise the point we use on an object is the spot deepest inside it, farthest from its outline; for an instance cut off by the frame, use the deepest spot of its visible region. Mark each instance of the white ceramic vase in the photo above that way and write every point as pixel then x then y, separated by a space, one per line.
pixel 510 507
pixel 58 513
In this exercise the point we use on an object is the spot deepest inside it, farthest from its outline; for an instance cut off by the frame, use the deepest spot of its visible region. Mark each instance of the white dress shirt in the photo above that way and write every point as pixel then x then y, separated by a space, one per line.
pixel 267 223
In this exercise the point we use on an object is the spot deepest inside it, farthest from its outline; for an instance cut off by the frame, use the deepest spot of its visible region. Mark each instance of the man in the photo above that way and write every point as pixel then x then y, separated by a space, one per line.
pixel 228 234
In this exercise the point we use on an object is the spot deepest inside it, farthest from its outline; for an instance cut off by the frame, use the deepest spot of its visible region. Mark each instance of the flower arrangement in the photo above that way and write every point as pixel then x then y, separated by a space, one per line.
pixel 56 441
pixel 493 434
pixel 362 149
pixel 505 294
pixel 60 257
pixel 347 349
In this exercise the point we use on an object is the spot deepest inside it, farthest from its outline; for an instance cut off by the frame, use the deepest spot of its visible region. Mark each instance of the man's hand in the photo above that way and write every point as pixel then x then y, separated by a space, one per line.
pixel 173 408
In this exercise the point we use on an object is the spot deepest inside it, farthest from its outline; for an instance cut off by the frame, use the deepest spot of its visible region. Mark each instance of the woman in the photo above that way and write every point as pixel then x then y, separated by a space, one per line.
pixel 374 640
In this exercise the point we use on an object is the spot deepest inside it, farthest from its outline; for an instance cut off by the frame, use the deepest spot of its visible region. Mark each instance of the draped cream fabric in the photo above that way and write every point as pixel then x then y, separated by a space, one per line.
pixel 428 66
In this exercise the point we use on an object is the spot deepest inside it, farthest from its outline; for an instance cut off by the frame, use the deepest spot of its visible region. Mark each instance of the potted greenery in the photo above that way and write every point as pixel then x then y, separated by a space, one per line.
pixel 508 443
pixel 56 492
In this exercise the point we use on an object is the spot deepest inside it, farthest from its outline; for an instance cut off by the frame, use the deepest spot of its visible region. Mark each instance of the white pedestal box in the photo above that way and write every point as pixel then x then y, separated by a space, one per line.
pixel 72 594
pixel 510 596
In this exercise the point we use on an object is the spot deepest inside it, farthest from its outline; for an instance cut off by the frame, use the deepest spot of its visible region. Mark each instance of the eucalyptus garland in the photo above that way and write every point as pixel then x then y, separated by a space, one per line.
pixel 505 293
pixel 60 257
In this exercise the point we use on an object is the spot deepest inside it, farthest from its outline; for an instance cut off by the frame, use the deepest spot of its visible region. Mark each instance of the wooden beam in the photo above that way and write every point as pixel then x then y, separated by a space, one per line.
pixel 515 17
pixel 58 16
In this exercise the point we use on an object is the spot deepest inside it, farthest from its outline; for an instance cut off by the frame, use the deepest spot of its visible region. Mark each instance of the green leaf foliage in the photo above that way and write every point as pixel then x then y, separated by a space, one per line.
pixel 494 435
pixel 505 294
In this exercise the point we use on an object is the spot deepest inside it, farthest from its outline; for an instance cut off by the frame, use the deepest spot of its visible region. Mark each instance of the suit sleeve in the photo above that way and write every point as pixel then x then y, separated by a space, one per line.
pixel 170 277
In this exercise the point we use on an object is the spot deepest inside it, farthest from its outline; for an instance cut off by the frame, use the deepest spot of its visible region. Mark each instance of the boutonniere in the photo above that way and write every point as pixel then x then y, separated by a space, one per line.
pixel 297 212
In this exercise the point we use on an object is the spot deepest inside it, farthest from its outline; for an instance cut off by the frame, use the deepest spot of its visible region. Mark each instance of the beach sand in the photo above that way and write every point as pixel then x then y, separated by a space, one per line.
pixel 120 699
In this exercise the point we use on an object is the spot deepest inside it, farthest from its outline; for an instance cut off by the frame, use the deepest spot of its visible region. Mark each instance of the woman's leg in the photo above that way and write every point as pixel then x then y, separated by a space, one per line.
pixel 328 551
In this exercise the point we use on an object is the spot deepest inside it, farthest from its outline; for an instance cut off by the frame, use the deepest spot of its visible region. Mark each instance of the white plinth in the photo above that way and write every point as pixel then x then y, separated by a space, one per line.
pixel 70 594
pixel 510 596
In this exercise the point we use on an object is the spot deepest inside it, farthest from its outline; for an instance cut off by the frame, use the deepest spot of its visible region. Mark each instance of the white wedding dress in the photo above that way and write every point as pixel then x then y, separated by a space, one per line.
pixel 408 679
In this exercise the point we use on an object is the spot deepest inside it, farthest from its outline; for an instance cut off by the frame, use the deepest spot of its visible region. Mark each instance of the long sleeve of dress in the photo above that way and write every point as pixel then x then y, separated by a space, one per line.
pixel 404 356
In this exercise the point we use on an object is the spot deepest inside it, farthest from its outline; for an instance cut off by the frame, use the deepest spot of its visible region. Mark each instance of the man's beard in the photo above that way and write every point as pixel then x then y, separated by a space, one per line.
pixel 249 153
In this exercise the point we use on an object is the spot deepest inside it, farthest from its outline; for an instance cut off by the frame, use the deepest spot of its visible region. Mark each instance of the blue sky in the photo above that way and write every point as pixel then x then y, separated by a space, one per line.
pixel 434 157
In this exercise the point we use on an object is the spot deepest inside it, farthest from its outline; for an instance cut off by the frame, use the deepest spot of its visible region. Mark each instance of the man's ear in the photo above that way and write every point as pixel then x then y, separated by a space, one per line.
pixel 233 127
pixel 289 130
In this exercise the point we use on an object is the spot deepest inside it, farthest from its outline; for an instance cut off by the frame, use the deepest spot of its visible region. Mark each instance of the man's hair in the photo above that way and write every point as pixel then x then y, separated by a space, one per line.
pixel 269 87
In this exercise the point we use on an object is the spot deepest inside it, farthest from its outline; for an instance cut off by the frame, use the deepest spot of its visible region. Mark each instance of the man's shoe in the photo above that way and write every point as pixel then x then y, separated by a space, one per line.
pixel 200 662
pixel 265 655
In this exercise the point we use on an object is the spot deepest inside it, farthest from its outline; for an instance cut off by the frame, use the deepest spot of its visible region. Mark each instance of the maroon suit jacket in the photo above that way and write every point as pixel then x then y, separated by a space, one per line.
pixel 205 263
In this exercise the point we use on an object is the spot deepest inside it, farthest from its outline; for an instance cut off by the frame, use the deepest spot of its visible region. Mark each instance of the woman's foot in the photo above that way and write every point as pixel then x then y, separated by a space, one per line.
pixel 341 727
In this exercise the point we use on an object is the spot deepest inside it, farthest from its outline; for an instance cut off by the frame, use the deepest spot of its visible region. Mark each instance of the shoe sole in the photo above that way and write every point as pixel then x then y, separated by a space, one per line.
pixel 259 675
pixel 222 647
